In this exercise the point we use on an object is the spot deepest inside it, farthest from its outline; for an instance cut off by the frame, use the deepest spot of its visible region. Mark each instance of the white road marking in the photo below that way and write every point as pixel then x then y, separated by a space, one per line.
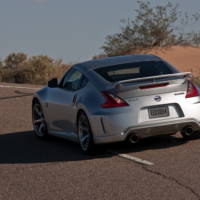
pixel 132 158
pixel 18 87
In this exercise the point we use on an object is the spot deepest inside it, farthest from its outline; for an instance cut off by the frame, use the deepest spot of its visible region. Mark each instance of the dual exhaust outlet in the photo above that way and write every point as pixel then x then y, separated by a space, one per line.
pixel 188 131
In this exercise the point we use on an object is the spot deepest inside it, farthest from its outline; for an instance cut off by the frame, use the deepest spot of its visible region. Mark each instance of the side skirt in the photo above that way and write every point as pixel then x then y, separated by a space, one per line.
pixel 72 136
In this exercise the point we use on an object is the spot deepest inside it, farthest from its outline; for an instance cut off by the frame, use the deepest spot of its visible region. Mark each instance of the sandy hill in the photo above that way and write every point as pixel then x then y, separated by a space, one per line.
pixel 183 58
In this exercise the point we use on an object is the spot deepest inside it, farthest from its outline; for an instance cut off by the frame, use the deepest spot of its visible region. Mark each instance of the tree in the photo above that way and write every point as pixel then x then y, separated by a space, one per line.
pixel 40 63
pixel 1 63
pixel 1 73
pixel 152 27
pixel 15 59
pixel 42 68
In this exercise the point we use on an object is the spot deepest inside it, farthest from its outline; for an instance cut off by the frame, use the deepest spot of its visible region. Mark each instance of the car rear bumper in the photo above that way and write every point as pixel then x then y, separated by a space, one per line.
pixel 148 129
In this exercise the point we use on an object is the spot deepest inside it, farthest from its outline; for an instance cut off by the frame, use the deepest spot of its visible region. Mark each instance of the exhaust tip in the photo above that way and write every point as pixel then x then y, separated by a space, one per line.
pixel 188 131
pixel 133 139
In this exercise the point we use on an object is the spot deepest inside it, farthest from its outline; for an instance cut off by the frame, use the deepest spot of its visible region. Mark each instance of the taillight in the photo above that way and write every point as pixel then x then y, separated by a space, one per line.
pixel 192 91
pixel 112 101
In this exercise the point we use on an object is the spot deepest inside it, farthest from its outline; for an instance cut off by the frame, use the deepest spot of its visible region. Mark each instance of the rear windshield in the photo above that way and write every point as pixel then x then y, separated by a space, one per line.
pixel 135 70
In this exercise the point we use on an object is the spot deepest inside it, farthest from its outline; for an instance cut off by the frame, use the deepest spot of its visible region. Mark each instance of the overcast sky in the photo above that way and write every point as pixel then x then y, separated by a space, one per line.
pixel 73 30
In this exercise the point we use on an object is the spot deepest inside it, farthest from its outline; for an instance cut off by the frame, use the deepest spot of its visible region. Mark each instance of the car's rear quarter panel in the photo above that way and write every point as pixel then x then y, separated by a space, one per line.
pixel 116 121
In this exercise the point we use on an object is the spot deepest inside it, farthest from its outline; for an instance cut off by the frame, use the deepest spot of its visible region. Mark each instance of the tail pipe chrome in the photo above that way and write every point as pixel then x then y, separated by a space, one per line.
pixel 133 139
pixel 187 130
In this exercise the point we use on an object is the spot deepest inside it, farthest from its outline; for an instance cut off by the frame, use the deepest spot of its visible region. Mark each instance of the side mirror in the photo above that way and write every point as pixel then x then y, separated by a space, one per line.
pixel 53 83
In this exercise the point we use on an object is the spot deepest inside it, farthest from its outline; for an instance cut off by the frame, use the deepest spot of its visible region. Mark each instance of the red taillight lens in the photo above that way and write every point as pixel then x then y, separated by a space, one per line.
pixel 112 101
pixel 153 86
pixel 192 91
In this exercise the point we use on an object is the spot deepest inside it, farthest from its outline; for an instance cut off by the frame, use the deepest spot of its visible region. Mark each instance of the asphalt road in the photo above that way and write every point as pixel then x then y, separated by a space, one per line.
pixel 56 169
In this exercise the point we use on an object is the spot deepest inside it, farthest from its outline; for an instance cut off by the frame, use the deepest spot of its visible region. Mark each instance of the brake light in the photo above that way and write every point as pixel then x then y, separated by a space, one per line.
pixel 153 86
pixel 112 101
pixel 192 91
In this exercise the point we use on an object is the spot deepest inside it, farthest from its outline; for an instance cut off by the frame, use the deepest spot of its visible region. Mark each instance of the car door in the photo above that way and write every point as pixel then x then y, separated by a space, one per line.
pixel 62 103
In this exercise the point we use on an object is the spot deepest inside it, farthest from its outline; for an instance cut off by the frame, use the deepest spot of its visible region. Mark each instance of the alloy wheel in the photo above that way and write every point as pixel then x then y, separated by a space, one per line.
pixel 84 133
pixel 39 123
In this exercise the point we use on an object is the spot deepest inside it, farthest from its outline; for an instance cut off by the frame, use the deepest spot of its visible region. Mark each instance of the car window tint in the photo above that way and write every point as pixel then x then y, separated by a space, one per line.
pixel 72 81
pixel 135 70
pixel 65 76
pixel 84 81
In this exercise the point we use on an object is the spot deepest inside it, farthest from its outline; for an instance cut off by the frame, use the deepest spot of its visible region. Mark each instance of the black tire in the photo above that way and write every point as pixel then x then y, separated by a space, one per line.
pixel 85 135
pixel 38 120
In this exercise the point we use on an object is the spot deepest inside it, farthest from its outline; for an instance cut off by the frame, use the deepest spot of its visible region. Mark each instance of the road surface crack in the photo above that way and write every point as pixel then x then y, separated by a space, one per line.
pixel 172 179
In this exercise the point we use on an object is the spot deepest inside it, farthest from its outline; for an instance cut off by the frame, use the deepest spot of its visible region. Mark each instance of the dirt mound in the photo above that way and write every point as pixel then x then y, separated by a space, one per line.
pixel 184 58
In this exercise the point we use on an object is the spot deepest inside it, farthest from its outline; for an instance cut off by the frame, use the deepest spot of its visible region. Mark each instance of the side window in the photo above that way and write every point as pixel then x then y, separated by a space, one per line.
pixel 73 81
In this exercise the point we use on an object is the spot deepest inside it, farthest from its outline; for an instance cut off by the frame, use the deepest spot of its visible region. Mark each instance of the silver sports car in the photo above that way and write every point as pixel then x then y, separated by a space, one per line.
pixel 117 99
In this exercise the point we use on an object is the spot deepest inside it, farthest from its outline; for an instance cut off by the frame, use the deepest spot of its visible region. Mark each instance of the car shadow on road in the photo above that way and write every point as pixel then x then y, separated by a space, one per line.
pixel 24 147
pixel 151 143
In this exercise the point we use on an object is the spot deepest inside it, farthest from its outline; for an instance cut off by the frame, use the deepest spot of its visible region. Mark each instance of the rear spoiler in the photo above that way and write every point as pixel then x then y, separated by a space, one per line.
pixel 154 78
pixel 146 80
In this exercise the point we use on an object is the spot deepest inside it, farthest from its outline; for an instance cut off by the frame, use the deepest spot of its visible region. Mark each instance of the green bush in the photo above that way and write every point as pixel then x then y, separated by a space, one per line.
pixel 1 75
pixel 158 26
pixel 35 70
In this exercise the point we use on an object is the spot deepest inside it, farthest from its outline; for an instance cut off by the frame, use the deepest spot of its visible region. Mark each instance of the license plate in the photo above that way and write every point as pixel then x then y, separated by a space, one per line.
pixel 159 111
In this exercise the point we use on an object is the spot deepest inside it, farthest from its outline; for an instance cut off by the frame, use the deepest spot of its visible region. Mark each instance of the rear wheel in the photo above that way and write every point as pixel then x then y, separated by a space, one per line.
pixel 85 134
pixel 39 123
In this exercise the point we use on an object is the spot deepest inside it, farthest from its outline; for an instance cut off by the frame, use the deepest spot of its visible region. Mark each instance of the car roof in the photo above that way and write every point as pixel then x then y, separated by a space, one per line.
pixel 117 60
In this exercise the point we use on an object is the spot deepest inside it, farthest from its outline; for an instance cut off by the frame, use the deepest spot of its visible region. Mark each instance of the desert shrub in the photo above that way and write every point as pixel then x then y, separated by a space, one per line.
pixel 37 69
pixel 158 26
pixel 61 69
pixel 15 59
pixel 41 68
pixel 24 75
pixel 1 75
pixel 8 75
